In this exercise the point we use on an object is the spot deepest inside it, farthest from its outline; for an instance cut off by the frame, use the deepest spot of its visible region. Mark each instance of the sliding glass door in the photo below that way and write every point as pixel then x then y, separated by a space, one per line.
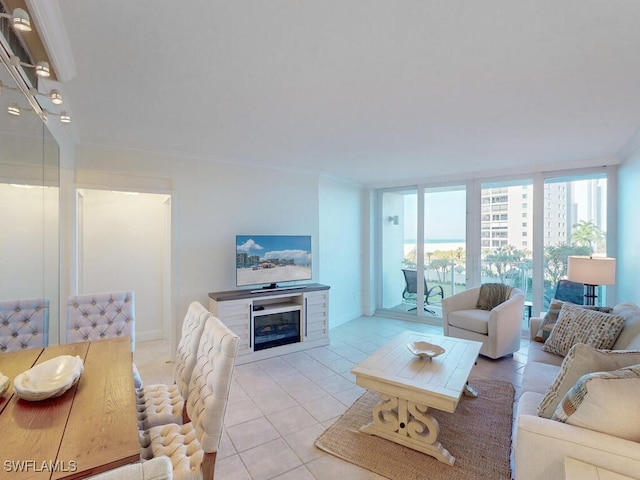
pixel 423 232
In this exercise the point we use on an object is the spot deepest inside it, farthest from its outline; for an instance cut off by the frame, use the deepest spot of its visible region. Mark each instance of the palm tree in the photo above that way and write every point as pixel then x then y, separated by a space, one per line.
pixel 587 234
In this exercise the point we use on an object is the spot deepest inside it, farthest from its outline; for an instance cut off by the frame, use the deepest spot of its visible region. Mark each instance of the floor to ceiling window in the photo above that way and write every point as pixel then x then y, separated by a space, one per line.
pixel 575 223
pixel 518 231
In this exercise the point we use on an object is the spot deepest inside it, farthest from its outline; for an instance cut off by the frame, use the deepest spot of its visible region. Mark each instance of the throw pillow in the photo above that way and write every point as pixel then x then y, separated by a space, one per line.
pixel 579 325
pixel 552 316
pixel 580 360
pixel 492 294
pixel 607 402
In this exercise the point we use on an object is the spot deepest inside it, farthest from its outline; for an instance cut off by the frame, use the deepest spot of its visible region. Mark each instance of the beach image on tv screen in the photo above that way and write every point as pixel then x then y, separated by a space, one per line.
pixel 269 259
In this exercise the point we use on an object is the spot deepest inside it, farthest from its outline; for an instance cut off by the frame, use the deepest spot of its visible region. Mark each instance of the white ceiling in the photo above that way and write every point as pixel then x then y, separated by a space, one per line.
pixel 372 91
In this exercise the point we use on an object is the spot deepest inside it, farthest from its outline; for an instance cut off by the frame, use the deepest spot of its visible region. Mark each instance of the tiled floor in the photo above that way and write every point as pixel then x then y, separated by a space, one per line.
pixel 279 406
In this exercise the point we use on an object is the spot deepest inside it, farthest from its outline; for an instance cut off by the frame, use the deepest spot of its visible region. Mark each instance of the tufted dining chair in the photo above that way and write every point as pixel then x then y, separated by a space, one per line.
pixel 160 404
pixel 24 324
pixel 94 316
pixel 192 447
pixel 155 469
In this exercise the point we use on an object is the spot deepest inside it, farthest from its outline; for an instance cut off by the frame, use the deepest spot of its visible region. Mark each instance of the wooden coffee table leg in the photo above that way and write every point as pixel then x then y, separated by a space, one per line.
pixel 409 424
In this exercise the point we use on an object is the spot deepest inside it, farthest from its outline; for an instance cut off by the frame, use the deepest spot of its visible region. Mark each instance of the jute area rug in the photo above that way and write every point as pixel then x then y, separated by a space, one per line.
pixel 478 435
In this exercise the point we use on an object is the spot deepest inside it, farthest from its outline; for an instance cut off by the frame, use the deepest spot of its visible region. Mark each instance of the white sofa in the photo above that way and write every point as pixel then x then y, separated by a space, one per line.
pixel 541 445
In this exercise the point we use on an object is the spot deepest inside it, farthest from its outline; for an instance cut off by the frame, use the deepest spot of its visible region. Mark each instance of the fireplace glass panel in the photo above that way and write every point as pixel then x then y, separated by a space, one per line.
pixel 276 329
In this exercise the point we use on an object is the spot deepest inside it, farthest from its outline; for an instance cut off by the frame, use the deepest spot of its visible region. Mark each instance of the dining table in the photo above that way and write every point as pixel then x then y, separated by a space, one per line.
pixel 89 429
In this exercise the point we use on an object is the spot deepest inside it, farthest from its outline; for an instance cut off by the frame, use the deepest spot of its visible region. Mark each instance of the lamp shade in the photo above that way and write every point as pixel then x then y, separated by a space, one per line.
pixel 592 270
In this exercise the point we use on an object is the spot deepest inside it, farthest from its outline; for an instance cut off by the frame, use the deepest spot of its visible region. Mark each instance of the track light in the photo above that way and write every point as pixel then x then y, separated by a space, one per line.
pixel 19 19
pixel 56 97
pixel 14 109
pixel 64 117
pixel 42 67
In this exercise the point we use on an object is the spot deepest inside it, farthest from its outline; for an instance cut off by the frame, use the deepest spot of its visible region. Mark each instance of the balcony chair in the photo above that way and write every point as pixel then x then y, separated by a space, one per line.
pixel 155 469
pixel 499 328
pixel 192 447
pixel 94 316
pixel 24 324
pixel 410 291
pixel 160 404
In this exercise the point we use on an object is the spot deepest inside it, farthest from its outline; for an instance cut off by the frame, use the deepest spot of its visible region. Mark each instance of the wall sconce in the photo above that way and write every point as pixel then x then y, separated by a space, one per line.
pixel 394 219
pixel 19 19
pixel 592 271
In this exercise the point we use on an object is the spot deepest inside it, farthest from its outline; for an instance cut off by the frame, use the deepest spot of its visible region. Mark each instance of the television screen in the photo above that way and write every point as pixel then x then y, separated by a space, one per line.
pixel 272 259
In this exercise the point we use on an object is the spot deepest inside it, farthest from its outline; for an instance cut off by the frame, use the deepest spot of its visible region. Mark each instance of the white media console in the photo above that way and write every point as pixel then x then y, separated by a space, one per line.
pixel 274 322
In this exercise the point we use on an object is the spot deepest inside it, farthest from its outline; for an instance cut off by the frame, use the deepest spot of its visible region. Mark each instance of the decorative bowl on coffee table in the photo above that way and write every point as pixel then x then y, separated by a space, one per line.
pixel 425 349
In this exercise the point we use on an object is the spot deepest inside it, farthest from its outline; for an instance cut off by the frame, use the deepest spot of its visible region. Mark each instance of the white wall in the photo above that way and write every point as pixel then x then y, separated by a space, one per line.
pixel 628 264
pixel 212 202
pixel 341 253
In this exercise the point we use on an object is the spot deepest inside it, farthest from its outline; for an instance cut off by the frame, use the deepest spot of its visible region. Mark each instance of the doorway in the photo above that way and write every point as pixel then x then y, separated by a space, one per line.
pixel 124 243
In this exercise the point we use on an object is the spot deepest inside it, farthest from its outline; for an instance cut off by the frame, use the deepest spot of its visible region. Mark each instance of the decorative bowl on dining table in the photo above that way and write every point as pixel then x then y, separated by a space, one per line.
pixel 4 384
pixel 49 379
pixel 425 350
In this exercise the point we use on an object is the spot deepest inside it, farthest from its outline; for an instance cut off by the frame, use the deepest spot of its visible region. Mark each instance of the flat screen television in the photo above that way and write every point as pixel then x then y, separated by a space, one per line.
pixel 270 260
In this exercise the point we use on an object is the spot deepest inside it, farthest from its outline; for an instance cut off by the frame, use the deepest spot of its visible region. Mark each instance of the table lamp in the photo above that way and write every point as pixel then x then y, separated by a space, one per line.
pixel 592 271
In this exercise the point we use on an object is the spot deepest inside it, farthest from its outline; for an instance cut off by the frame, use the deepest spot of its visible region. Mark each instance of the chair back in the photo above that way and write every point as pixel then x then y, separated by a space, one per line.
pixel 94 316
pixel 411 279
pixel 24 324
pixel 569 291
pixel 211 382
pixel 187 352
pixel 158 468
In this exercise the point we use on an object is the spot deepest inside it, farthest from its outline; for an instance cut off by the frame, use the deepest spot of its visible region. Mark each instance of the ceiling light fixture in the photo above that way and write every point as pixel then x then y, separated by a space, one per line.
pixel 42 67
pixel 19 19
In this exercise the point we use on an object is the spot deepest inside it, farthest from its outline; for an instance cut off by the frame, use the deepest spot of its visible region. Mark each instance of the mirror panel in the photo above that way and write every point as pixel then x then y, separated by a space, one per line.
pixel 29 200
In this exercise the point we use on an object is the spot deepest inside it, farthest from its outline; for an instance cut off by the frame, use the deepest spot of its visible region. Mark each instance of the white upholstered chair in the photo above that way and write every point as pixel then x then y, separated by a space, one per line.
pixel 498 329
pixel 94 316
pixel 158 468
pixel 192 447
pixel 24 324
pixel 160 404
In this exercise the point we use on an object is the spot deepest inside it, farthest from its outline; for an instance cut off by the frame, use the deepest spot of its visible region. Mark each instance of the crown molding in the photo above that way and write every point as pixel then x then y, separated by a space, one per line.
pixel 53 33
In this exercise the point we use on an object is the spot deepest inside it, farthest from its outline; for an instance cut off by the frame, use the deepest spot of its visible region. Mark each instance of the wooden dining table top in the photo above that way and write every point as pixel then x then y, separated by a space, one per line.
pixel 91 428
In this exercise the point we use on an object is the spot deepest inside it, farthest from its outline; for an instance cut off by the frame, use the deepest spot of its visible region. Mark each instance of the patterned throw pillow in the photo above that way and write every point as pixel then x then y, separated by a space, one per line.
pixel 551 318
pixel 580 360
pixel 579 325
pixel 607 402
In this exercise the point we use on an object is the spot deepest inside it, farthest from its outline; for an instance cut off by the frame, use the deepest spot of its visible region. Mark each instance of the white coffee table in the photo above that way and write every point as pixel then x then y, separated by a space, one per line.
pixel 410 385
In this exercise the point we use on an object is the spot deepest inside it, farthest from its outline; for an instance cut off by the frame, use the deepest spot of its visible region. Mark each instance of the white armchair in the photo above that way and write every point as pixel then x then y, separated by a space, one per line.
pixel 158 468
pixel 499 329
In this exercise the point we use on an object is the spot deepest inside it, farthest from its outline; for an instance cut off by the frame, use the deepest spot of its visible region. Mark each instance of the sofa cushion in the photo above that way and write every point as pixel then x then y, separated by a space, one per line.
pixel 538 376
pixel 580 360
pixel 607 402
pixel 551 317
pixel 536 354
pixel 579 325
pixel 629 338
pixel 472 320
